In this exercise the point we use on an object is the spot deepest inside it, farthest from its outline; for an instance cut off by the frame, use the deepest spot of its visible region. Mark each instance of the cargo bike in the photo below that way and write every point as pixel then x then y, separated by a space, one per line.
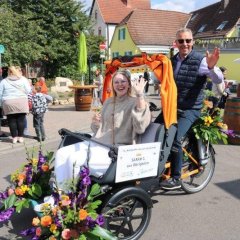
pixel 126 202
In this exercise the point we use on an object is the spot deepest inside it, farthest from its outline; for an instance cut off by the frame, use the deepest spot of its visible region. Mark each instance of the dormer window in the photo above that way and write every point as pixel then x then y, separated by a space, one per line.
pixel 221 26
pixel 194 16
pixel 201 29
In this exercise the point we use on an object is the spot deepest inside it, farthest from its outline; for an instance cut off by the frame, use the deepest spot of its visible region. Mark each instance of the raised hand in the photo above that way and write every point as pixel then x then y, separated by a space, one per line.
pixel 138 85
pixel 212 58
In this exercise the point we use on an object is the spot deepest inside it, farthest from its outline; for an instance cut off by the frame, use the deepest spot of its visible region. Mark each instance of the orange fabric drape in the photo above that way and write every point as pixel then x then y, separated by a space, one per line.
pixel 162 67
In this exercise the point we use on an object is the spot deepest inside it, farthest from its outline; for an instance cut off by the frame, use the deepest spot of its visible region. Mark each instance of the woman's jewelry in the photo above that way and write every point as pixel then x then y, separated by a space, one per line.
pixel 140 95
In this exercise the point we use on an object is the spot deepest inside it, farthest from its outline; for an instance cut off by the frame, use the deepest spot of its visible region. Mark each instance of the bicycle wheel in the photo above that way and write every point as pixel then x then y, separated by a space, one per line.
pixel 127 216
pixel 197 182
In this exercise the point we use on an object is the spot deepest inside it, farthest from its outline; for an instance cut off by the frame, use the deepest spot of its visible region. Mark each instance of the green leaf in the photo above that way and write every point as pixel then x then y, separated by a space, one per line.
pixel 35 191
pixel 9 202
pixel 94 191
pixel 103 233
pixel 24 203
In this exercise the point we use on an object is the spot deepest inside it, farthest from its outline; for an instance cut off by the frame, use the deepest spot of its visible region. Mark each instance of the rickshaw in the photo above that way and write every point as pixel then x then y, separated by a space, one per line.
pixel 127 205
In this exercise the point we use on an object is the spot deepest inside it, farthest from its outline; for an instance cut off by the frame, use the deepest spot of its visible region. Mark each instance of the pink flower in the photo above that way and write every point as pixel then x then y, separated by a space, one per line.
pixel 66 234
pixel 38 231
pixel 10 191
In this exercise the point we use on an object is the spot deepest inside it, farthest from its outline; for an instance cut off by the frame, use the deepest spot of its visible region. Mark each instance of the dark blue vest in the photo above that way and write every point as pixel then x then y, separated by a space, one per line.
pixel 190 85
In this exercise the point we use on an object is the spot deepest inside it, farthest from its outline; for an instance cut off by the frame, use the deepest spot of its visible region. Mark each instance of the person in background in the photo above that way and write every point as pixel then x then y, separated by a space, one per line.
pixel 2 135
pixel 146 76
pixel 123 117
pixel 190 93
pixel 220 93
pixel 99 82
pixel 42 83
pixel 14 101
pixel 39 107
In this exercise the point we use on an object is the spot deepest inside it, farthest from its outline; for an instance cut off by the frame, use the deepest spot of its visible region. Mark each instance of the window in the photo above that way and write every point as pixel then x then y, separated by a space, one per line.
pixel 99 31
pixel 95 14
pixel 128 53
pixel 121 34
pixel 115 54
pixel 202 28
pixel 221 26
pixel 194 16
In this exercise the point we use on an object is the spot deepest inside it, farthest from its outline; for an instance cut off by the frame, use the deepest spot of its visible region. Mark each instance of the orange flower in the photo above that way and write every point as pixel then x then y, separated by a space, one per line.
pixel 35 221
pixel 65 200
pixel 83 214
pixel 46 221
pixel 19 192
pixel 21 176
pixel 45 167
pixel 52 238
pixel 209 104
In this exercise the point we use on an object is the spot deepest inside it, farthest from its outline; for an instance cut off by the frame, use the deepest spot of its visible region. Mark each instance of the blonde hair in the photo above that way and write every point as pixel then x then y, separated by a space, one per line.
pixel 127 75
pixel 14 71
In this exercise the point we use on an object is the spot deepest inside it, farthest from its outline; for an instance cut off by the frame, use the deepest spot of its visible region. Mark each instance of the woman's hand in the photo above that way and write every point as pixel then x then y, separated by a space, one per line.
pixel 138 86
pixel 96 119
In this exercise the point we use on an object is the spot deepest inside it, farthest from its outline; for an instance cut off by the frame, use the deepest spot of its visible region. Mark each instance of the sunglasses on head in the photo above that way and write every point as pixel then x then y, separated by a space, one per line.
pixel 181 41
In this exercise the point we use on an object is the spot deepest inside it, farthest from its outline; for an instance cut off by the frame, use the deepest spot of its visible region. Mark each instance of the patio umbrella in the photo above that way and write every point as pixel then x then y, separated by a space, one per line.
pixel 82 55
pixel 237 60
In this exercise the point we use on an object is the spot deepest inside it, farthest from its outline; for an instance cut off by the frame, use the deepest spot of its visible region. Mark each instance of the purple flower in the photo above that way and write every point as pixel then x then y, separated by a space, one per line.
pixel 6 214
pixel 28 174
pixel 90 222
pixel 28 232
pixel 3 195
pixel 86 181
pixel 41 160
pixel 230 133
pixel 84 172
pixel 100 220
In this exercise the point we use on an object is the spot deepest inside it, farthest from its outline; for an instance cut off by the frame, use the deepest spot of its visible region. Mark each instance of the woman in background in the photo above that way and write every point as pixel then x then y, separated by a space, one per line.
pixel 14 90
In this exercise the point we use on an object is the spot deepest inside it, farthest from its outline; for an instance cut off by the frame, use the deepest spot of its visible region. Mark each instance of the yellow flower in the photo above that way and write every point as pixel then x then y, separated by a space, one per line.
pixel 53 228
pixel 34 161
pixel 35 221
pixel 208 120
pixel 24 188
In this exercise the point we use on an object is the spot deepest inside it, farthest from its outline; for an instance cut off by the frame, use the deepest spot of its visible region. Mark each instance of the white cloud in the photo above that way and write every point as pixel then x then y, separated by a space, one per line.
pixel 182 6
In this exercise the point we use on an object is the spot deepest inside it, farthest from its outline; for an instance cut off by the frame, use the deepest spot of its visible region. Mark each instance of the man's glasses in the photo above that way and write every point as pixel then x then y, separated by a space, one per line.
pixel 181 41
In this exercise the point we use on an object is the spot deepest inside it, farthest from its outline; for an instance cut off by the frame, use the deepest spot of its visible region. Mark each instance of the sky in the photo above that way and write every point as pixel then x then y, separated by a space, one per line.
pixel 174 5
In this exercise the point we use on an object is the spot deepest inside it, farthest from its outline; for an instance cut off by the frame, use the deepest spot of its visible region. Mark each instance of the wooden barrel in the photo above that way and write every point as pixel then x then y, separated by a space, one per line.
pixel 232 118
pixel 83 99
pixel 238 90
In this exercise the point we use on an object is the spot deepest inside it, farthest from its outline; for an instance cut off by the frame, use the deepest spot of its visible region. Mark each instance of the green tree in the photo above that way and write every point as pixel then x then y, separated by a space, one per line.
pixel 45 30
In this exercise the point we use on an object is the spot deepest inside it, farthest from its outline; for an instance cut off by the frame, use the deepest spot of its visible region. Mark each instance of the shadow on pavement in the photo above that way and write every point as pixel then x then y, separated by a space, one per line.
pixel 231 187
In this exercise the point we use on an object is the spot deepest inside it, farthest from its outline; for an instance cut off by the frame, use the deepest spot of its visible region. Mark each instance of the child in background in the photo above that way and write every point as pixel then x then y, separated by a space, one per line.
pixel 39 107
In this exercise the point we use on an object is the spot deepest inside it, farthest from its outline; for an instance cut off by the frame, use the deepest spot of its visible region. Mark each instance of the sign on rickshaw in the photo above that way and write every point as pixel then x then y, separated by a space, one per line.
pixel 137 161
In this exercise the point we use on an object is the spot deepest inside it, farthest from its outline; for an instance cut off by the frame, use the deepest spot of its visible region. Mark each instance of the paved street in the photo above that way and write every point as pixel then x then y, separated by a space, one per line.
pixel 209 215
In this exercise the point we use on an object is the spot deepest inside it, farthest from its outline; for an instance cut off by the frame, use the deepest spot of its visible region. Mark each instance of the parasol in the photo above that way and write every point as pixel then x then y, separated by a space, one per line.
pixel 237 60
pixel 82 55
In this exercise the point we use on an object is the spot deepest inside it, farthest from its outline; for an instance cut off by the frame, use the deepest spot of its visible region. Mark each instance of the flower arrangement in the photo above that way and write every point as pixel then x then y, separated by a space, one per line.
pixel 31 181
pixel 210 126
pixel 73 215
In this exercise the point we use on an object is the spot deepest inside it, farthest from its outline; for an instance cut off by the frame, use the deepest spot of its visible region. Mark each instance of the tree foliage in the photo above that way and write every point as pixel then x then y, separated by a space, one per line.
pixel 47 31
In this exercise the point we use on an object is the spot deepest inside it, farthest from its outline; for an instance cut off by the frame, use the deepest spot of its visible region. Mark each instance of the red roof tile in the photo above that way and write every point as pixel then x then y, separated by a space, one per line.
pixel 213 15
pixel 154 27
pixel 113 11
